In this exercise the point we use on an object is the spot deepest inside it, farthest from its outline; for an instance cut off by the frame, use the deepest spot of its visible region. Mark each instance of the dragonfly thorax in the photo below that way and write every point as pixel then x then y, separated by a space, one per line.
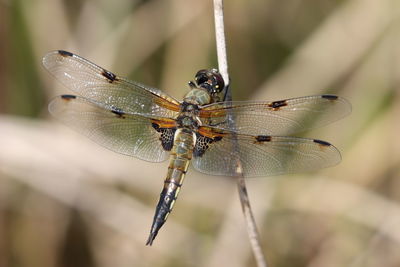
pixel 198 96
pixel 189 107
pixel 188 121
pixel 188 117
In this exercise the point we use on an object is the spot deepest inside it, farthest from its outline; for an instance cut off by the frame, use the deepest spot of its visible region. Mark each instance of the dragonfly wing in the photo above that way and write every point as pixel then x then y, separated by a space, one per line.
pixel 284 117
pixel 129 134
pixel 93 82
pixel 262 155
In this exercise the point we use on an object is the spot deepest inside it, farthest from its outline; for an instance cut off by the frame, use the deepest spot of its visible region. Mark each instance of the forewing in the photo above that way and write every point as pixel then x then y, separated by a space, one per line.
pixel 284 117
pixel 94 82
pixel 128 134
pixel 260 155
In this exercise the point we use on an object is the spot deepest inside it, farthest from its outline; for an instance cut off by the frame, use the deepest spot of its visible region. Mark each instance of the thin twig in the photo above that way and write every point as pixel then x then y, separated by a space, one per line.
pixel 244 199
pixel 220 40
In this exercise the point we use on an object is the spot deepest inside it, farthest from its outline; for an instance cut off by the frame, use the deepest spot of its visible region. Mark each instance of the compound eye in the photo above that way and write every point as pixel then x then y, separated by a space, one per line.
pixel 218 81
pixel 210 80
pixel 201 77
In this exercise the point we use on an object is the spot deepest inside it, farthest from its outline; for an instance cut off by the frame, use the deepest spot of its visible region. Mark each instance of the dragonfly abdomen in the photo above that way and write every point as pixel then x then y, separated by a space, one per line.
pixel 181 155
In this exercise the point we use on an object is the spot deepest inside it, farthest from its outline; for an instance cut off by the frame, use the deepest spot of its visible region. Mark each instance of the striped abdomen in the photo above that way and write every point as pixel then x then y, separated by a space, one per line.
pixel 181 154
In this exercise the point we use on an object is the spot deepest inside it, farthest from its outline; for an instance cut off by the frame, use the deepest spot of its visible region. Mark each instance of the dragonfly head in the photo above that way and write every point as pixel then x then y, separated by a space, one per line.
pixel 211 80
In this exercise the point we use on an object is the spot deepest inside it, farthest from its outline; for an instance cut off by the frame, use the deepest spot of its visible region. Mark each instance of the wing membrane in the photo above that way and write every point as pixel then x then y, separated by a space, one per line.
pixel 128 134
pixel 283 117
pixel 264 155
pixel 94 82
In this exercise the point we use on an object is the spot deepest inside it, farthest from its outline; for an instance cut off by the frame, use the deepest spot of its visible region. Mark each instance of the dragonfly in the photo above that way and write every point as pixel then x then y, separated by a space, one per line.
pixel 213 135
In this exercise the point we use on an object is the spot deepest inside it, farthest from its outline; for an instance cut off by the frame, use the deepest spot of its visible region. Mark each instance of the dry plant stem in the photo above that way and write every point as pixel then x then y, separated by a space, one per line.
pixel 220 40
pixel 244 199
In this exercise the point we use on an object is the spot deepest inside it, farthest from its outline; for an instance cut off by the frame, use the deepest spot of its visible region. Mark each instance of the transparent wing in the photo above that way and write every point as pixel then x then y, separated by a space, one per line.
pixel 128 134
pixel 94 82
pixel 263 155
pixel 282 117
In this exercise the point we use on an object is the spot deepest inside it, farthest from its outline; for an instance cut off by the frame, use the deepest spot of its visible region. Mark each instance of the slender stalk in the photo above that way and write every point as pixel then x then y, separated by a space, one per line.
pixel 220 40
pixel 244 199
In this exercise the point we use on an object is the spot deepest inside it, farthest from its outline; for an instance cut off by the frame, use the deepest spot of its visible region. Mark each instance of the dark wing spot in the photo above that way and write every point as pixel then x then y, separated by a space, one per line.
pixel 203 143
pixel 323 143
pixel 263 138
pixel 156 127
pixel 277 104
pixel 330 97
pixel 65 53
pixel 109 75
pixel 167 136
pixel 217 138
pixel 68 97
pixel 119 112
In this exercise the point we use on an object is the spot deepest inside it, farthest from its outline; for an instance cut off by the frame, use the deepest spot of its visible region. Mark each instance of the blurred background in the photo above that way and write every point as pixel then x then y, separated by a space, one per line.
pixel 64 201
